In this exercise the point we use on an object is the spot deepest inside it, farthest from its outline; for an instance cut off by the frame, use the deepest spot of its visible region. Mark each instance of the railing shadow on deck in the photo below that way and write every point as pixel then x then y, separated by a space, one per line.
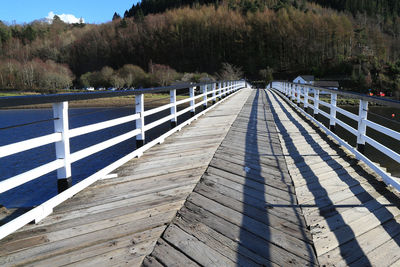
pixel 252 144
pixel 316 186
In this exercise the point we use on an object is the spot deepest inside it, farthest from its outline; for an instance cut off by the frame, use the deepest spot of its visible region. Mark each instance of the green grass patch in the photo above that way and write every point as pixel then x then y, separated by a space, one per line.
pixel 4 94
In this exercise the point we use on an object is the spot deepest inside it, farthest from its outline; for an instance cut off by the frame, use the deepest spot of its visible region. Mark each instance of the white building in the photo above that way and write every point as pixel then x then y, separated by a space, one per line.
pixel 304 79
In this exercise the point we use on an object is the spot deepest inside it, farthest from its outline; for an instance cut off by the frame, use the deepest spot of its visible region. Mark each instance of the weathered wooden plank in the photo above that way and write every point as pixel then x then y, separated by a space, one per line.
pixel 346 218
pixel 271 185
pixel 350 252
pixel 51 249
pixel 287 212
pixel 257 227
pixel 345 193
pixel 129 243
pixel 189 172
pixel 231 249
pixel 262 215
pixel 150 261
pixel 268 160
pixel 384 255
pixel 148 187
pixel 279 180
pixel 170 256
pixel 164 163
pixel 56 233
pixel 319 168
pixel 329 241
pixel 254 164
pixel 336 205
pixel 250 186
pixel 182 152
pixel 196 249
pixel 87 216
pixel 350 173
pixel 249 240
pixel 259 193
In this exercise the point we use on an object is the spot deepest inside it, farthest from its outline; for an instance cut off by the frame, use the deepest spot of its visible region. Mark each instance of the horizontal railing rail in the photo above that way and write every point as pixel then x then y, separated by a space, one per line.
pixel 210 92
pixel 12 101
pixel 300 94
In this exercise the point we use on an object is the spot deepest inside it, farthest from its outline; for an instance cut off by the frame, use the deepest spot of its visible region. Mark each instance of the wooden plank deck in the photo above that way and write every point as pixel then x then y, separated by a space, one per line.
pixel 243 212
pixel 116 222
pixel 354 218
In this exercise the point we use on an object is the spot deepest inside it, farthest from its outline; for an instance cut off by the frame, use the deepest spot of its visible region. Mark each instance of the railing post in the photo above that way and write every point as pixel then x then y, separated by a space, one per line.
pixel 204 90
pixel 298 95
pixel 316 103
pixel 60 113
pixel 291 92
pixel 362 126
pixel 294 92
pixel 214 88
pixel 332 119
pixel 172 95
pixel 306 99
pixel 140 138
pixel 191 94
pixel 220 90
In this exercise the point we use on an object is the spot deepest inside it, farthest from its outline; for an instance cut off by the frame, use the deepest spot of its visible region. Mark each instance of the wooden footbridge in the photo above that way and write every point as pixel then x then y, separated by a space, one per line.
pixel 253 180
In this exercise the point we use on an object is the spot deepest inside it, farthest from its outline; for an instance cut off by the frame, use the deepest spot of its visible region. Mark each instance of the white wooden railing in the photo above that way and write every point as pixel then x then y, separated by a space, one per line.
pixel 210 93
pixel 299 94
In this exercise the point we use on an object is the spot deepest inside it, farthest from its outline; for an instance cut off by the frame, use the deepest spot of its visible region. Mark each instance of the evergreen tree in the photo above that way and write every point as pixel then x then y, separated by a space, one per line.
pixel 116 16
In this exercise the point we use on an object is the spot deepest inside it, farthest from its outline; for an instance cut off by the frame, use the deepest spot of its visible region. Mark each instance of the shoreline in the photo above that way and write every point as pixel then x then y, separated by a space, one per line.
pixel 153 100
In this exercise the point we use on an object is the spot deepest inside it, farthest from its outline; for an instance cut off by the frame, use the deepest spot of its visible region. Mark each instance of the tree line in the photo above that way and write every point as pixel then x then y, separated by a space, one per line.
pixel 283 39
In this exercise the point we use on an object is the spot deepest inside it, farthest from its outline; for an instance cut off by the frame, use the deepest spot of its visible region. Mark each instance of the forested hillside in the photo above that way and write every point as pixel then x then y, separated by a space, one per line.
pixel 157 42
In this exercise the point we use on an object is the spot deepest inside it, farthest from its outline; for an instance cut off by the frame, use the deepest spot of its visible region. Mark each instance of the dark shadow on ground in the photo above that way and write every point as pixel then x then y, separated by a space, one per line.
pixel 260 113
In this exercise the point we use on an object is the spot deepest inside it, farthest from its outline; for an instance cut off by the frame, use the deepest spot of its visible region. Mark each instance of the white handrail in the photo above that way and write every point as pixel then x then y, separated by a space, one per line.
pixel 287 91
pixel 347 113
pixel 65 134
pixel 83 153
pixel 29 144
pixel 101 125
pixel 382 129
pixel 30 175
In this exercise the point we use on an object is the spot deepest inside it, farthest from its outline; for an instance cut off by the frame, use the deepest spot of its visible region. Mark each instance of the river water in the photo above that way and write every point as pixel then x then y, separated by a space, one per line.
pixel 37 191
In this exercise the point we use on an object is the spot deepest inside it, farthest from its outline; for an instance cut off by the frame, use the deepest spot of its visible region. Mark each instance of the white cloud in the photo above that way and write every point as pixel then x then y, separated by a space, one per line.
pixel 67 18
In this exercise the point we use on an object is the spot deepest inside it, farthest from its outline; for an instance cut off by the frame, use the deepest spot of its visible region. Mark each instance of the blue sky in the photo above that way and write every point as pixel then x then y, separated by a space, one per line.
pixel 92 11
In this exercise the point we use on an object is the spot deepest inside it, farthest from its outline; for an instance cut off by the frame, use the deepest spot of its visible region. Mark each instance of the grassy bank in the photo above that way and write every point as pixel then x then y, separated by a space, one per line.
pixel 150 100
pixel 5 94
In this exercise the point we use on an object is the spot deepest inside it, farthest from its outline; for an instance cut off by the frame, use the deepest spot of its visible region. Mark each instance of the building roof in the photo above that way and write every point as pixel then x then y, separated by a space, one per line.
pixel 307 78
pixel 333 84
